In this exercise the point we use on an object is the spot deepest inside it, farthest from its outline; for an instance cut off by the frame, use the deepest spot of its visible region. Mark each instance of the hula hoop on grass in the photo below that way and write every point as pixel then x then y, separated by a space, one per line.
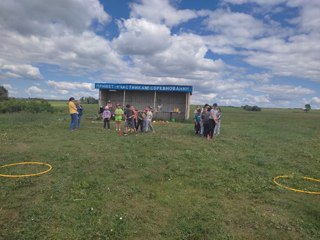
pixel 294 189
pixel 25 175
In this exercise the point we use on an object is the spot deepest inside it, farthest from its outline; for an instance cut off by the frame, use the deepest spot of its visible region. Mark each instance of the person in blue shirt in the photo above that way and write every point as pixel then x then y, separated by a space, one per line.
pixel 197 120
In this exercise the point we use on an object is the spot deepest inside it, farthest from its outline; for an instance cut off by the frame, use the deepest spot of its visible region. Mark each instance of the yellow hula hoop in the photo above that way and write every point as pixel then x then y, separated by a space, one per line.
pixel 26 175
pixel 294 189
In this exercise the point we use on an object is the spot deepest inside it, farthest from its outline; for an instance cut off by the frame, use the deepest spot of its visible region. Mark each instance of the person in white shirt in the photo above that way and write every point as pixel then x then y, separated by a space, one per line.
pixel 149 120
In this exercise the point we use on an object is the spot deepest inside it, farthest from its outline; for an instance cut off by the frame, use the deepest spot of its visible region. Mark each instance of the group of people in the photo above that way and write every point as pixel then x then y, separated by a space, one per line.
pixel 207 121
pixel 76 112
pixel 133 118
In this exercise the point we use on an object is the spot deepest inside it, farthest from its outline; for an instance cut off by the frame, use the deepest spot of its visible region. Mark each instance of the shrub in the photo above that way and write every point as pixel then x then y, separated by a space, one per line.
pixel 251 108
pixel 33 106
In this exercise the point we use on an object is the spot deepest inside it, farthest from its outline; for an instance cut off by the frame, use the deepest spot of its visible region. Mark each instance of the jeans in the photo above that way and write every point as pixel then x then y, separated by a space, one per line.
pixel 212 125
pixel 217 128
pixel 140 124
pixel 74 119
pixel 149 126
pixel 79 119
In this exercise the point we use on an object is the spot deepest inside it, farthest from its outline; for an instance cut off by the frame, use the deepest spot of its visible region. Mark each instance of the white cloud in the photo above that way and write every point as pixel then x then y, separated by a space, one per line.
pixel 8 86
pixel 283 92
pixel 58 33
pixel 316 100
pixel 71 86
pixel 185 58
pixel 141 37
pixel 21 71
pixel 33 90
pixel 282 51
pixel 261 2
pixel 235 25
pixel 160 11
pixel 51 16
pixel 60 37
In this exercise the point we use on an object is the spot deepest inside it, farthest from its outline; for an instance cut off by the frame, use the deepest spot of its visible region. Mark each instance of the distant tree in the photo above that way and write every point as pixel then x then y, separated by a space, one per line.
pixel 307 107
pixel 3 93
pixel 89 100
pixel 251 108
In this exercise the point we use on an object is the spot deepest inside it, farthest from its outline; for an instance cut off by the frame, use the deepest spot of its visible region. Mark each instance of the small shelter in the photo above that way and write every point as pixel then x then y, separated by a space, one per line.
pixel 168 101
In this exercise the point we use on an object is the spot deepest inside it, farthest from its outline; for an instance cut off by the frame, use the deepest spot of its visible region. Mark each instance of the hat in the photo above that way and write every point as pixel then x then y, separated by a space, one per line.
pixel 109 101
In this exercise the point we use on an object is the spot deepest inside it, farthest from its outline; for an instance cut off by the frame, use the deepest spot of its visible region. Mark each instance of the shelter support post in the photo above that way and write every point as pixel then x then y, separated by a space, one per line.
pixel 124 98
pixel 187 112
pixel 154 100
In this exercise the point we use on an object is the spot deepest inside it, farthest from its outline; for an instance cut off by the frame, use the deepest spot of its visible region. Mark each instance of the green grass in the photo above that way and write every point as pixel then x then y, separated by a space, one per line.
pixel 167 185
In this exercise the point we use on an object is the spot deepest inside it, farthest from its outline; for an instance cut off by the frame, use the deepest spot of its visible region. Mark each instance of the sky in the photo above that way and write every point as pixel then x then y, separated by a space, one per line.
pixel 233 52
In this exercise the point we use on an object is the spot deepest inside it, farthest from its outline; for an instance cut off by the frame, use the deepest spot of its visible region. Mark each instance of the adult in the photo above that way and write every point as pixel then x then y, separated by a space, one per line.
pixel 141 120
pixel 73 113
pixel 80 112
pixel 218 124
pixel 205 117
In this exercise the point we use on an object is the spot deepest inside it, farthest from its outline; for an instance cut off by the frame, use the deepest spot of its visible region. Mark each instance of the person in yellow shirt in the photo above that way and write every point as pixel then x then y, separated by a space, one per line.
pixel 73 113
pixel 118 113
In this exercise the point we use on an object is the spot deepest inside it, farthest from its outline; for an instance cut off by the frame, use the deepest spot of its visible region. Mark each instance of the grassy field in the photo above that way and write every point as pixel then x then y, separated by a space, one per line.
pixel 167 185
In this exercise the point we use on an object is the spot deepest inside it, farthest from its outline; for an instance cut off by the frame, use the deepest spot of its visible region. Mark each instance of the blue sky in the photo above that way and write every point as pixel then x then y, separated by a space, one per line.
pixel 233 52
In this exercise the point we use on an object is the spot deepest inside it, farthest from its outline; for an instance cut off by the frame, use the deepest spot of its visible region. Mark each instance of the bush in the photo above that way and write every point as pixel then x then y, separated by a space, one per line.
pixel 33 106
pixel 251 108
pixel 89 100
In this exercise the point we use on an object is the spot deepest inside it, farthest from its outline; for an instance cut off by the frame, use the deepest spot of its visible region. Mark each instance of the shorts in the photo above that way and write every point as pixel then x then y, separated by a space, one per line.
pixel 118 118
pixel 129 123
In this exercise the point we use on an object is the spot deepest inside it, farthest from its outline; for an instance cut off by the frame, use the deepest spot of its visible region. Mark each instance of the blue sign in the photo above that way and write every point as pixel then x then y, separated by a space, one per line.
pixel 144 87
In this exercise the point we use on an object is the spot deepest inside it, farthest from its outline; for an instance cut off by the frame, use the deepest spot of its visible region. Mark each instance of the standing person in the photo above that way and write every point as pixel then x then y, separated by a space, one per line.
pixel 141 119
pixel 111 109
pixel 201 122
pixel 213 119
pixel 118 114
pixel 218 124
pixel 197 120
pixel 205 120
pixel 73 113
pixel 80 112
pixel 106 115
pixel 128 113
pixel 149 120
pixel 135 117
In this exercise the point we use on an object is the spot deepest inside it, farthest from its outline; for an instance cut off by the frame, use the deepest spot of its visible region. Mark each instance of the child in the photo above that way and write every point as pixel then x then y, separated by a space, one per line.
pixel 135 117
pixel 80 112
pixel 128 113
pixel 149 120
pixel 118 114
pixel 106 115
pixel 197 119
pixel 218 124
